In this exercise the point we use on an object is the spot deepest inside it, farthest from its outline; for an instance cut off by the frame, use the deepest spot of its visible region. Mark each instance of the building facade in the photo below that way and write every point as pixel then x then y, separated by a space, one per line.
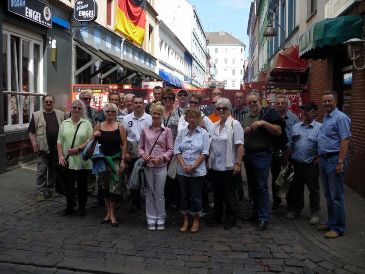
pixel 227 55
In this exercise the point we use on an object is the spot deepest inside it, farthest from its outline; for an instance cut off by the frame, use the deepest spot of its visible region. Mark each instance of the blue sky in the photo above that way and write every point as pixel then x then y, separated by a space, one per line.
pixel 224 15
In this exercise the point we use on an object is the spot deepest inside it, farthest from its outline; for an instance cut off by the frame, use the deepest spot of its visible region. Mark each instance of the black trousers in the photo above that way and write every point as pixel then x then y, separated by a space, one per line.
pixel 77 183
pixel 172 192
pixel 305 174
pixel 238 184
pixel 191 194
pixel 224 193
pixel 275 171
pixel 135 193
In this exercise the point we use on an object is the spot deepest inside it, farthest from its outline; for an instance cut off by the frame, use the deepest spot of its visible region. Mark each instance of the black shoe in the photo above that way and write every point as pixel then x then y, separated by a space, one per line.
pixel 214 222
pixel 115 225
pixel 229 226
pixel 253 218
pixel 82 212
pixel 275 206
pixel 262 226
pixel 105 221
pixel 67 211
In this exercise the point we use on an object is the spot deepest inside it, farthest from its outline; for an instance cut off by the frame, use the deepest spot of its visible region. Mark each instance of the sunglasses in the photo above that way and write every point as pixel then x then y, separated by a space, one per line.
pixel 168 98
pixel 48 102
pixel 252 103
pixel 86 99
pixel 77 108
pixel 110 111
pixel 194 103
pixel 138 103
pixel 182 95
pixel 222 109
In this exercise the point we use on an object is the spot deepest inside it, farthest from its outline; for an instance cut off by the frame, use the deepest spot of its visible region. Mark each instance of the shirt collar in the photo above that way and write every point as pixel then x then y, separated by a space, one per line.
pixel 311 124
pixel 198 129
pixel 140 118
pixel 332 112
pixel 162 126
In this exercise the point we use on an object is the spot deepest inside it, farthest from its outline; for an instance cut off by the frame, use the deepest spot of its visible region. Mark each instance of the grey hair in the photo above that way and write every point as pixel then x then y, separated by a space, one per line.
pixel 111 106
pixel 76 103
pixel 225 102
pixel 129 95
pixel 254 93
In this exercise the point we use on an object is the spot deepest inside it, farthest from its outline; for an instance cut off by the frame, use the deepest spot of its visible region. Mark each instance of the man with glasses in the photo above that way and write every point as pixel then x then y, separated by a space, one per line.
pixel 133 124
pixel 43 132
pixel 182 98
pixel 261 125
pixel 92 113
pixel 209 109
pixel 157 96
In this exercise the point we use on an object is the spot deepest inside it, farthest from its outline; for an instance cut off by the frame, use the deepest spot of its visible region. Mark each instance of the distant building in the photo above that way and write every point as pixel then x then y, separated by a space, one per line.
pixel 227 55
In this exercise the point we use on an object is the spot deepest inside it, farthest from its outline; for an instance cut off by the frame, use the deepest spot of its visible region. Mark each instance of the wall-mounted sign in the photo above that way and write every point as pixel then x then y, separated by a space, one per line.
pixel 85 10
pixel 34 10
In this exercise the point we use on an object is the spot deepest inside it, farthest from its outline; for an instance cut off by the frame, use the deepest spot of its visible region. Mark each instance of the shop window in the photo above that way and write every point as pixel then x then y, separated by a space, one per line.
pixel 311 7
pixel 22 70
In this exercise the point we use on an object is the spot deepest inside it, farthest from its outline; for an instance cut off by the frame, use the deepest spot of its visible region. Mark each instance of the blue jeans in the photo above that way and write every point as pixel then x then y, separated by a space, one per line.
pixel 257 169
pixel 333 191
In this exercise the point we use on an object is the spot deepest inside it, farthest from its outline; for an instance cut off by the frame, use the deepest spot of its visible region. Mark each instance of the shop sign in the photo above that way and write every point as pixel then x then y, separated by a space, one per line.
pixel 34 10
pixel 85 10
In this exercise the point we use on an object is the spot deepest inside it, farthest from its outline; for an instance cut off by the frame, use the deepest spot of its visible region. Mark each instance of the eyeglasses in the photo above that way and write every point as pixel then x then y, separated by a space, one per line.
pixel 138 103
pixel 222 109
pixel 168 98
pixel 252 103
pixel 194 103
pixel 86 99
pixel 48 102
pixel 182 95
pixel 110 111
pixel 77 108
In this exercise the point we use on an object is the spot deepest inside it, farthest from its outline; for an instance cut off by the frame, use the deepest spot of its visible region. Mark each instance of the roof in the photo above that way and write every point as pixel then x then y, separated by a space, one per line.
pixel 222 38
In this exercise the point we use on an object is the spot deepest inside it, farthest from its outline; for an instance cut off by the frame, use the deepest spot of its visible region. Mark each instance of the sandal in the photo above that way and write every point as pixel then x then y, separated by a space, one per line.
pixel 184 228
pixel 194 228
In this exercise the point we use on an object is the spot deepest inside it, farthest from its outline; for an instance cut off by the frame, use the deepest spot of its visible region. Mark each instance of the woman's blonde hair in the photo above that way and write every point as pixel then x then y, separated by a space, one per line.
pixel 111 106
pixel 193 112
pixel 157 107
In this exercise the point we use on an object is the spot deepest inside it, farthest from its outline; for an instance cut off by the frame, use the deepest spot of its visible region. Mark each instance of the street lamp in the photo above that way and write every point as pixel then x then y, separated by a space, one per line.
pixel 356 51
pixel 270 30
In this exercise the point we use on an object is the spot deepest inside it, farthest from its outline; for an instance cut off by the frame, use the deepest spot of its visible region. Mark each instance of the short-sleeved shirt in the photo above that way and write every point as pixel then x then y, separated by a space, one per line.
pixel 261 139
pixel 303 140
pixel 208 125
pixel 218 145
pixel 191 145
pixel 51 129
pixel 65 137
pixel 239 114
pixel 336 127
pixel 290 120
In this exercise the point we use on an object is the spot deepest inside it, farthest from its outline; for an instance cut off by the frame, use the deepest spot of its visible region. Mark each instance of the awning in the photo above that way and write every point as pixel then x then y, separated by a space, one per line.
pixel 315 42
pixel 288 60
pixel 171 79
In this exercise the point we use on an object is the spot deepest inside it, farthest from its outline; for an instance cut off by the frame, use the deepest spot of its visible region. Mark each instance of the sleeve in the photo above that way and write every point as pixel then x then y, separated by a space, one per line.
pixel 169 145
pixel 290 137
pixel 31 127
pixel 238 133
pixel 208 125
pixel 181 123
pixel 206 143
pixel 89 130
pixel 149 121
pixel 60 133
pixel 178 143
pixel 141 143
pixel 344 124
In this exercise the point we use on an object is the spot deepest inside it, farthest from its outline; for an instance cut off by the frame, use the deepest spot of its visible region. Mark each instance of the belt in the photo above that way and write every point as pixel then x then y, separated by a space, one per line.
pixel 329 155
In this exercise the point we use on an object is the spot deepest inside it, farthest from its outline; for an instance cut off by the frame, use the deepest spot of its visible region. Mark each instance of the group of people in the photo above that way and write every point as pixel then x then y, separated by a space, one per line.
pixel 184 146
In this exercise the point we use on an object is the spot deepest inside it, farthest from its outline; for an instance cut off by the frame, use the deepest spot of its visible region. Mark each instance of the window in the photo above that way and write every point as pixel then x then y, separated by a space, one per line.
pixel 109 12
pixel 233 72
pixel 291 15
pixel 233 83
pixel 282 22
pixel 233 61
pixel 311 7
pixel 216 50
pixel 216 61
pixel 22 72
pixel 225 61
pixel 150 39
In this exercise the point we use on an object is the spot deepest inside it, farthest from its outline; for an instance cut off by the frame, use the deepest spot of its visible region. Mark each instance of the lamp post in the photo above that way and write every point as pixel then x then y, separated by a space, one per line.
pixel 270 30
pixel 356 51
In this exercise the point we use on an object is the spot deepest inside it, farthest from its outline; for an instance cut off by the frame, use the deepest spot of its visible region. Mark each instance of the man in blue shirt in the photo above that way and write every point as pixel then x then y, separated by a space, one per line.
pixel 303 149
pixel 333 140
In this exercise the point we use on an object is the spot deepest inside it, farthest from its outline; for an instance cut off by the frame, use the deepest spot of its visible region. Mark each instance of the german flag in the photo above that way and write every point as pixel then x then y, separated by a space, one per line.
pixel 131 19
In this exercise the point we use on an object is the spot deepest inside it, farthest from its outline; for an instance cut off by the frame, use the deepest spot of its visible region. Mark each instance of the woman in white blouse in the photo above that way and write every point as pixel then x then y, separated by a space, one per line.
pixel 226 151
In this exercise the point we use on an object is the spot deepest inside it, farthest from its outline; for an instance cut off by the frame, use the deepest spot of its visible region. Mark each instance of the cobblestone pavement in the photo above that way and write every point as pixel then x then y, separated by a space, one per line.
pixel 34 238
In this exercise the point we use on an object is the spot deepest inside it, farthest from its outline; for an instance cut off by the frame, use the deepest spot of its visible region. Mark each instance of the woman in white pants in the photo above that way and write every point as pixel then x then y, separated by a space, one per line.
pixel 156 148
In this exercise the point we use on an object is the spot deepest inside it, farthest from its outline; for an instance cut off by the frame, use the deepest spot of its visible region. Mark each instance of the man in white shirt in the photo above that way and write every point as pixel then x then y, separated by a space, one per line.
pixel 133 124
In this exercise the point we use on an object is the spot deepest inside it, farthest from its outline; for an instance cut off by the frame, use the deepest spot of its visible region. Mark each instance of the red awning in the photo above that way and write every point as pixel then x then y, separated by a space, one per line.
pixel 288 60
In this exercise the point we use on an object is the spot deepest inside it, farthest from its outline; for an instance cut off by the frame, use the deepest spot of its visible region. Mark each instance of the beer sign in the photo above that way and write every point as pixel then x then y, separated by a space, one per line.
pixel 85 10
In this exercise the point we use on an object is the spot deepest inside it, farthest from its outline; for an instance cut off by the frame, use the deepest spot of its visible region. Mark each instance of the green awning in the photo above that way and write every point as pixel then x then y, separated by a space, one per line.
pixel 314 43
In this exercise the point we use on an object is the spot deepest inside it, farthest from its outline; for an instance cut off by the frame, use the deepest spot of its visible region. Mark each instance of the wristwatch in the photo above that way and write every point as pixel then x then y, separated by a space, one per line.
pixel 239 164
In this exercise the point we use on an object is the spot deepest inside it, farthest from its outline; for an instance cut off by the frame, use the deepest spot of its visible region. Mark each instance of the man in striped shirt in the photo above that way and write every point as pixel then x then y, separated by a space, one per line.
pixel 239 109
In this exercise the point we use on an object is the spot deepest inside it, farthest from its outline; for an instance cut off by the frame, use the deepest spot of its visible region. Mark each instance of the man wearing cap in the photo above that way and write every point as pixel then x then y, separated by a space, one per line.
pixel 303 150
pixel 333 141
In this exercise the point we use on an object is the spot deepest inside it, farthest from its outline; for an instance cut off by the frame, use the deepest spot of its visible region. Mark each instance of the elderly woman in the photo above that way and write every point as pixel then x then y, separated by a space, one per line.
pixel 78 168
pixel 226 151
pixel 156 148
pixel 112 138
pixel 191 149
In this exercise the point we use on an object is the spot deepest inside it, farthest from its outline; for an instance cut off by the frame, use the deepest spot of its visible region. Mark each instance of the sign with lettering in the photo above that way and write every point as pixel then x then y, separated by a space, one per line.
pixel 34 10
pixel 85 10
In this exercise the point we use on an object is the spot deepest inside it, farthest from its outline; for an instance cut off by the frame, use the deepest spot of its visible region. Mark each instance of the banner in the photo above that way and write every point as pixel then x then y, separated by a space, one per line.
pixel 131 19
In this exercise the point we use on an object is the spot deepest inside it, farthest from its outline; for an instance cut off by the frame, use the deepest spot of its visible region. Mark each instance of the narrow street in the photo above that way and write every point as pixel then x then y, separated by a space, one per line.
pixel 34 238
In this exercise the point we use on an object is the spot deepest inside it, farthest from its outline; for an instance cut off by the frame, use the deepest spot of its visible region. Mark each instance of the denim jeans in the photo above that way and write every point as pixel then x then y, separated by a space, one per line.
pixel 257 169
pixel 333 191
pixel 46 177
pixel 191 194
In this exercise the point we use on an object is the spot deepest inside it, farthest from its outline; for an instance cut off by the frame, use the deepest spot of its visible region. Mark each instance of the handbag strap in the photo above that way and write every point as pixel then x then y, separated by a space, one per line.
pixel 74 138
pixel 156 141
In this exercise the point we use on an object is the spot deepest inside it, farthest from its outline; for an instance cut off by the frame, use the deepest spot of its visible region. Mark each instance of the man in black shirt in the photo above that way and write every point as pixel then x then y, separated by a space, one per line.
pixel 261 125
pixel 43 132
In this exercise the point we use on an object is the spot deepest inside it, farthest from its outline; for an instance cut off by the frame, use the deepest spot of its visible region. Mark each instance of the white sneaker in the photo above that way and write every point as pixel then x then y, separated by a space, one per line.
pixel 292 215
pixel 151 227
pixel 161 227
pixel 314 220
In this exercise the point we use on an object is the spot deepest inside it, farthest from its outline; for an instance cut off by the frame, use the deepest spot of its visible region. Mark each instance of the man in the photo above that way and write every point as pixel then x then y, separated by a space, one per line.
pixel 92 113
pixel 333 142
pixel 303 150
pixel 182 98
pixel 121 106
pixel 209 109
pixel 214 117
pixel 133 124
pixel 157 96
pixel 239 109
pixel 43 132
pixel 128 99
pixel 281 107
pixel 261 126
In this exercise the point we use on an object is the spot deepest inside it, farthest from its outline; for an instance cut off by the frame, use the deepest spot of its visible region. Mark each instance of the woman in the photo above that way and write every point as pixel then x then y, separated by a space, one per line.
pixel 78 168
pixel 112 138
pixel 226 151
pixel 191 148
pixel 171 117
pixel 156 148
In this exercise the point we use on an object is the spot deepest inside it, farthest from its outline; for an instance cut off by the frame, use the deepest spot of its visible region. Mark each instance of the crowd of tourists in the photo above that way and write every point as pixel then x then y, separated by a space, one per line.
pixel 176 149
